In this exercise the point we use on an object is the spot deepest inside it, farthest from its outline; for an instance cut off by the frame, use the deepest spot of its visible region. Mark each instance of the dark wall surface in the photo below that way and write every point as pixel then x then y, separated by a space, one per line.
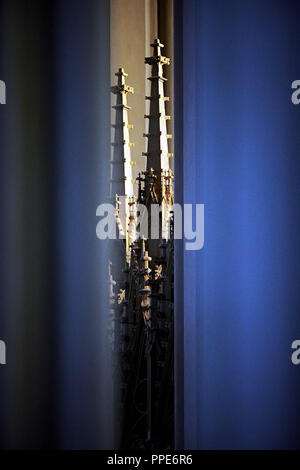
pixel 55 389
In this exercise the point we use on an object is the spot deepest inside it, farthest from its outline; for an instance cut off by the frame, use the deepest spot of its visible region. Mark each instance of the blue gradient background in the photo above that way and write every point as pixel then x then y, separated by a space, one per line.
pixel 238 153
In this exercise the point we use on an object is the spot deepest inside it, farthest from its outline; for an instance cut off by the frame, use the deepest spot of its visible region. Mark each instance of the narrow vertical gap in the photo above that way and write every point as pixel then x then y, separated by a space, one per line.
pixel 165 14
pixel 151 32
pixel 178 259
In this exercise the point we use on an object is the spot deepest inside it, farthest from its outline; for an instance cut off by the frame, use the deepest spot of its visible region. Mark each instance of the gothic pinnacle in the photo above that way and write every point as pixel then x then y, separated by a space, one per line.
pixel 121 182
pixel 157 146
pixel 121 163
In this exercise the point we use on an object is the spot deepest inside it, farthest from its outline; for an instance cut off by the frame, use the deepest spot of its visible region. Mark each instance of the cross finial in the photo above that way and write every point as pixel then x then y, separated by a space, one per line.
pixel 121 74
pixel 157 45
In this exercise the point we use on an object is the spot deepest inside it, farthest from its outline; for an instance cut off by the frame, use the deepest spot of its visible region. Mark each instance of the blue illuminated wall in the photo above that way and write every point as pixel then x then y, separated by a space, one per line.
pixel 238 153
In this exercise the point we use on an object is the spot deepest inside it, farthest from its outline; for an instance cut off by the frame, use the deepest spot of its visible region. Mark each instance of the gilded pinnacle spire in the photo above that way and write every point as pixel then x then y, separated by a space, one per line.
pixel 157 149
pixel 121 181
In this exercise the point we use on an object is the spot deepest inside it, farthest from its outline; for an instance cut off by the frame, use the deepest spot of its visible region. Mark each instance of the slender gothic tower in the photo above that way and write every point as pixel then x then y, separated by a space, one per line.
pixel 158 175
pixel 157 153
pixel 121 182
pixel 143 306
